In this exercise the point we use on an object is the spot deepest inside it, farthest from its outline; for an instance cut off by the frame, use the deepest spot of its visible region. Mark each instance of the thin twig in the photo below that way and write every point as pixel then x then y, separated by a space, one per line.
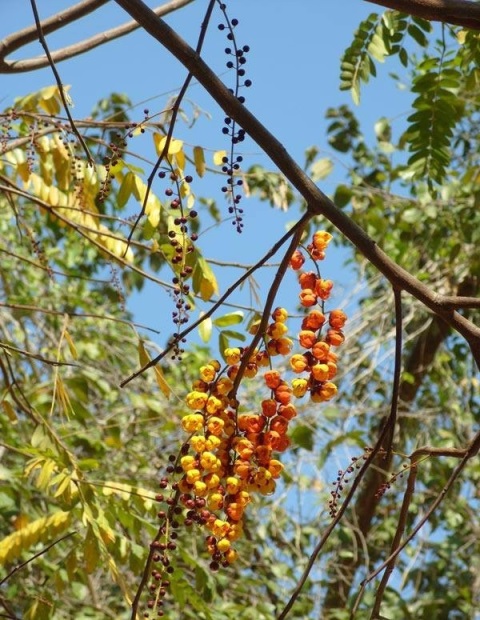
pixel 279 275
pixel 77 315
pixel 35 356
pixel 273 250
pixel 58 80
pixel 470 452
pixel 173 119
pixel 385 433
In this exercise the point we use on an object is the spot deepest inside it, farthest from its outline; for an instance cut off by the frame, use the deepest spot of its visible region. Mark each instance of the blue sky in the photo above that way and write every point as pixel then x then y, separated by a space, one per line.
pixel 293 63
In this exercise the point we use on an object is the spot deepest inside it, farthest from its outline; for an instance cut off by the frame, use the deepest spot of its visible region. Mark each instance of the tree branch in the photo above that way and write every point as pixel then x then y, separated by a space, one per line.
pixel 19 39
pixel 318 203
pixel 457 12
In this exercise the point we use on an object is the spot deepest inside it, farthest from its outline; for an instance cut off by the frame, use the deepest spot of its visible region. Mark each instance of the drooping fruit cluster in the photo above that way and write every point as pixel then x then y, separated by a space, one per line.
pixel 317 359
pixel 231 455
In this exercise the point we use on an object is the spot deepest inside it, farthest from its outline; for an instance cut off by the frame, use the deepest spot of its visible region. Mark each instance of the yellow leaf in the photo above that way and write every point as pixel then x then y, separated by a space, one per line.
pixel 43 480
pixel 91 551
pixel 162 384
pixel 204 280
pixel 180 159
pixel 143 356
pixel 40 530
pixel 20 521
pixel 144 359
pixel 199 160
pixel 10 411
pixel 205 328
pixel 218 157
pixel 71 345
pixel 173 148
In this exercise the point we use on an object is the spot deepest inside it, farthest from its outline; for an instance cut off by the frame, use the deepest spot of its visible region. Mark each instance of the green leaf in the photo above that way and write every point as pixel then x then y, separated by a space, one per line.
pixel 205 328
pixel 303 436
pixel 232 318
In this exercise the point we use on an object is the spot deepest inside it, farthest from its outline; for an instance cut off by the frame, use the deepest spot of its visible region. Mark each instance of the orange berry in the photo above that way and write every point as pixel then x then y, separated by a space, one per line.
pixel 207 373
pixel 307 338
pixel 272 379
pixel 277 329
pixel 297 260
pixel 264 454
pixel 298 362
pixel 280 425
pixel 321 239
pixel 320 350
pixel 242 469
pixel 314 320
pixel 232 372
pixel 262 359
pixel 324 392
pixel 280 314
pixel 287 411
pixel 215 425
pixel 332 370
pixel 314 253
pixel 323 288
pixel 337 319
pixel 320 372
pixel 233 485
pixel 275 468
pixel 269 407
pixel 284 346
pixel 212 481
pixel 307 297
pixel 215 501
pixel 235 511
pixel 272 347
pixel 335 337
pixel 268 488
pixel 196 400
pixel 283 393
pixel 232 355
pixel 231 555
pixel 308 279
pixel 188 462
pixel 251 370
pixel 223 386
pixel 192 422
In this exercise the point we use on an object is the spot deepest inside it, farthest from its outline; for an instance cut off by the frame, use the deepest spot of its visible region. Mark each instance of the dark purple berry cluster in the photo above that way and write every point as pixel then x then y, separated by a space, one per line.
pixel 231 163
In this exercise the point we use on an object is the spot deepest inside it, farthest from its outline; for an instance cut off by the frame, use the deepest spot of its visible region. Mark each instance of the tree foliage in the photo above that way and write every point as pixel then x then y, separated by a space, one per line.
pixel 375 510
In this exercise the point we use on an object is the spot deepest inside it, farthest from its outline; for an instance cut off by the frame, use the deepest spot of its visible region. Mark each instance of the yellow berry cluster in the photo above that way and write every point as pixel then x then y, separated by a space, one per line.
pixel 231 455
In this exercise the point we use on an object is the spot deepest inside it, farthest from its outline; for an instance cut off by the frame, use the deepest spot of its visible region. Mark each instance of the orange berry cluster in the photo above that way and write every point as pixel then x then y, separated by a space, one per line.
pixel 318 359
pixel 230 455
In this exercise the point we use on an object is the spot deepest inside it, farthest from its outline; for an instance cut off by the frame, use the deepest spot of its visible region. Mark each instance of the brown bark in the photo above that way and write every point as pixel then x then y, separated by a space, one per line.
pixel 457 12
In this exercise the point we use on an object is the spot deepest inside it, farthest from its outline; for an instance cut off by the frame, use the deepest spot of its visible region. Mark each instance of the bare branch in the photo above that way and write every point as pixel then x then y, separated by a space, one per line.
pixel 457 12
pixel 466 455
pixel 21 38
